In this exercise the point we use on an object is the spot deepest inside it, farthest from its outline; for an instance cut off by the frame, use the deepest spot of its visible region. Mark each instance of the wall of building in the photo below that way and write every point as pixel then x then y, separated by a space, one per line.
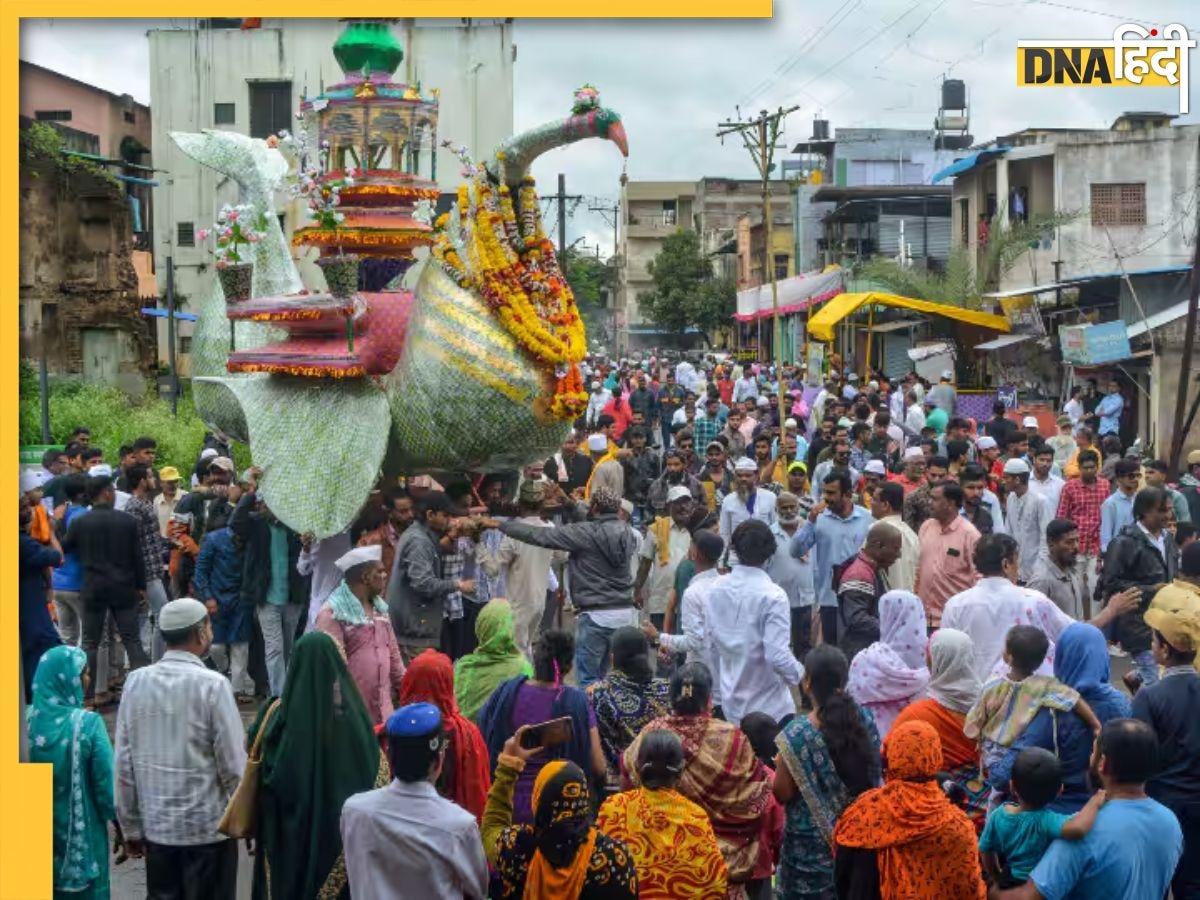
pixel 193 69
pixel 93 110
pixel 77 281
pixel 896 156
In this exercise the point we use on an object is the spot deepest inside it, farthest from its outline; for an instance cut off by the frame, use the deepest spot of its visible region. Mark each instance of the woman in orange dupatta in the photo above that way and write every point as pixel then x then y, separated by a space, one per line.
pixel 720 774
pixel 669 837
pixel 562 855
pixel 906 840
pixel 466 776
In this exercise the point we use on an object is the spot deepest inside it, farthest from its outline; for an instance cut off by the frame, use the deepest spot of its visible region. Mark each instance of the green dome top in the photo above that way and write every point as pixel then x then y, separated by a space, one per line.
pixel 368 45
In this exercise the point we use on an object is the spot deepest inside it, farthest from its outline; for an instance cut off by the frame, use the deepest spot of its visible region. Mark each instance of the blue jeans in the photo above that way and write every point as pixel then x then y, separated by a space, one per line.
pixel 278 624
pixel 592 652
pixel 1144 665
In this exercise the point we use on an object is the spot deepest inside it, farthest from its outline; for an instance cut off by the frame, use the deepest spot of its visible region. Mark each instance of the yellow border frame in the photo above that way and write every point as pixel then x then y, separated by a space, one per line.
pixel 25 832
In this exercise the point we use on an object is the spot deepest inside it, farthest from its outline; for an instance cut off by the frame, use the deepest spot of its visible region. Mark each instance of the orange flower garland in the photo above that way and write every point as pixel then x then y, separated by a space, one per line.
pixel 512 265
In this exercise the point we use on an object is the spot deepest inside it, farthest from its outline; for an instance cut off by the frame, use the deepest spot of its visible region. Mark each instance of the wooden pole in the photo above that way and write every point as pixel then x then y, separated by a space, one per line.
pixel 870 333
pixel 1178 431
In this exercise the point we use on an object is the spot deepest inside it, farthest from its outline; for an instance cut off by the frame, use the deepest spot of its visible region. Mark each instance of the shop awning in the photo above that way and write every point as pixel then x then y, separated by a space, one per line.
pixel 1158 320
pixel 1005 340
pixel 820 326
pixel 969 162
pixel 1086 279
pixel 897 325
pixel 160 313
pixel 795 294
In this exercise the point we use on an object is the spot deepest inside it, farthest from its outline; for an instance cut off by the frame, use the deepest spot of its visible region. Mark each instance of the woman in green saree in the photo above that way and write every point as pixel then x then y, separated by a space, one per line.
pixel 318 749
pixel 75 742
pixel 495 660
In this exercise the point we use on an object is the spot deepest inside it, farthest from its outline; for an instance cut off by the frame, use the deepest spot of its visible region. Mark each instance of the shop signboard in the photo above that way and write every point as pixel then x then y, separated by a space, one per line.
pixel 1093 345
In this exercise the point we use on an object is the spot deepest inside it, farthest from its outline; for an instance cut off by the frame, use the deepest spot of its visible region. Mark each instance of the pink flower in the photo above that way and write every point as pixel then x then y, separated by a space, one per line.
pixel 203 234
pixel 232 216
pixel 252 237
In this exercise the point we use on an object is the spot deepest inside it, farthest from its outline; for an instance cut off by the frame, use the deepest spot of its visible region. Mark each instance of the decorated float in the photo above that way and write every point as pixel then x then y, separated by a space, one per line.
pixel 464 360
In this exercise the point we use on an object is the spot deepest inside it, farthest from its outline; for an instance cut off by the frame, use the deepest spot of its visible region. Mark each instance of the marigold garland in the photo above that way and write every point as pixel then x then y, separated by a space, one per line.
pixel 511 263
pixel 355 371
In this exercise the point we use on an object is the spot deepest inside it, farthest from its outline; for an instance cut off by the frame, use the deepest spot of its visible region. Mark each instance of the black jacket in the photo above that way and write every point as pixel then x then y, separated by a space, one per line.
pixel 417 589
pixel 208 513
pixel 1133 561
pixel 107 544
pixel 254 531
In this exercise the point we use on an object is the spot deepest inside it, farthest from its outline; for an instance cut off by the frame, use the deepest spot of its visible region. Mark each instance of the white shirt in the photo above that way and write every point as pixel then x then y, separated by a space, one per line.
pixel 1027 519
pixel 526 567
pixel 792 573
pixel 406 841
pixel 319 561
pixel 1159 542
pixel 685 374
pixel 986 612
pixel 748 628
pixel 596 403
pixel 902 576
pixel 164 507
pixel 896 406
pixel 694 618
pixel 744 389
pixel 914 419
pixel 1051 489
pixel 179 751
pixel 1073 410
pixel 661 579
pixel 734 513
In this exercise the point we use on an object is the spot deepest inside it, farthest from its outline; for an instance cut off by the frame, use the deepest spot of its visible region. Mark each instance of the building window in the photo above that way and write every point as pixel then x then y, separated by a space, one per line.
pixel 669 213
pixel 185 343
pixel 270 107
pixel 781 266
pixel 185 234
pixel 53 115
pixel 130 117
pixel 1119 204
pixel 224 113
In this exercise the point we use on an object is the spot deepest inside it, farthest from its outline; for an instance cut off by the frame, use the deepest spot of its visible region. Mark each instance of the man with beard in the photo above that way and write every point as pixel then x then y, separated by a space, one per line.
pixel 886 506
pixel 671 399
pixel 643 400
pixel 674 474
pixel 716 479
pixel 708 426
pixel 569 468
pixel 794 573
pixel 748 501
pixel 1028 515
pixel 840 459
pixel 946 565
pixel 957 429
pixel 666 545
pixel 685 443
pixel 597 400
pixel 770 471
pixel 912 476
pixel 859 582
pixel 398 506
pixel 823 438
pixel 1056 574
pixel 607 471
pixel 735 440
pixel 642 468
pixel 974 484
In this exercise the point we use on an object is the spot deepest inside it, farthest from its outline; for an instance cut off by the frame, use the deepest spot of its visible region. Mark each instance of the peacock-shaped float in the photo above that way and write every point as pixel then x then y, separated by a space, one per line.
pixel 467 359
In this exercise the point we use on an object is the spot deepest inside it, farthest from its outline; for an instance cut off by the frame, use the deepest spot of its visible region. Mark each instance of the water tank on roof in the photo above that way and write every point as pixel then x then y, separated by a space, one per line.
pixel 954 94
pixel 820 130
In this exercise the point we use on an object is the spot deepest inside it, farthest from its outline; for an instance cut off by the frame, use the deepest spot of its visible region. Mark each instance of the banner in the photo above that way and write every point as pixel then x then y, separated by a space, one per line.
pixel 1022 314
pixel 1091 345
pixel 795 295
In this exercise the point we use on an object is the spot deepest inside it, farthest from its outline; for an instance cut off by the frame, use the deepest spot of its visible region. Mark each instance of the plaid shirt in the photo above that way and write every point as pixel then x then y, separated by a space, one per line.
pixel 705 430
pixel 452 568
pixel 149 538
pixel 1081 504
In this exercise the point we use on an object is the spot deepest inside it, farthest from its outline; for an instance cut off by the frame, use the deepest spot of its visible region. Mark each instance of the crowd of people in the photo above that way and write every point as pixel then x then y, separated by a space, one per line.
pixel 733 639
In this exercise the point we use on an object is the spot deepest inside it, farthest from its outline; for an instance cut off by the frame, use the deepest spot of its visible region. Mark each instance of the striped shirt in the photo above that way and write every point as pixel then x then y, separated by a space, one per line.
pixel 179 752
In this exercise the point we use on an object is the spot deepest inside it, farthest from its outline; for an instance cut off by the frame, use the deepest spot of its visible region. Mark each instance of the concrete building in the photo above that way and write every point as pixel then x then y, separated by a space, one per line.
pixel 215 74
pixel 1124 255
pixel 652 210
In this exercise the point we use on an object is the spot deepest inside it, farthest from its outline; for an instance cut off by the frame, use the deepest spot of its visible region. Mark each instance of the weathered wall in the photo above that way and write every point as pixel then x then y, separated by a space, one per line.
pixel 75 269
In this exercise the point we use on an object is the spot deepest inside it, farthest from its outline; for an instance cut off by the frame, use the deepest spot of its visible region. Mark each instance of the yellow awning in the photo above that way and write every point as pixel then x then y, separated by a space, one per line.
pixel 820 326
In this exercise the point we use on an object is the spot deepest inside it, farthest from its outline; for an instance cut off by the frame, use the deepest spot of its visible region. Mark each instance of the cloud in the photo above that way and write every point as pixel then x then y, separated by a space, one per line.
pixel 859 63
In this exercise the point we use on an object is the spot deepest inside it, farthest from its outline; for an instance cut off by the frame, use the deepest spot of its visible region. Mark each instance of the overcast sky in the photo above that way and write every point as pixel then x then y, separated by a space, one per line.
pixel 858 62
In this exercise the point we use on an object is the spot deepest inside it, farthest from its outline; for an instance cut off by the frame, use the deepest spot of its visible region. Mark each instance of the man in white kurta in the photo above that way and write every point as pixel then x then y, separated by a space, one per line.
pixel 1027 514
pixel 749 624
pixel 405 840
pixel 667 542
pixel 526 567
pixel 747 501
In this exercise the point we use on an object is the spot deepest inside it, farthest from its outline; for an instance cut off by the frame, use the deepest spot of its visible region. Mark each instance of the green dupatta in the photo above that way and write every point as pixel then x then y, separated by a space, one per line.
pixel 319 748
pixel 494 661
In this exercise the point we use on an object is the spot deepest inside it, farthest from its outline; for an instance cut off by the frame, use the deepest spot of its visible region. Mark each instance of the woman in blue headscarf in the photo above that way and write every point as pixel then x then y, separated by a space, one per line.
pixel 74 741
pixel 1080 661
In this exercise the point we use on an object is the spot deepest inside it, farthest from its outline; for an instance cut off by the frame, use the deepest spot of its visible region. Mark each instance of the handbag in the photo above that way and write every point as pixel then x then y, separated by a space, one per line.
pixel 241 814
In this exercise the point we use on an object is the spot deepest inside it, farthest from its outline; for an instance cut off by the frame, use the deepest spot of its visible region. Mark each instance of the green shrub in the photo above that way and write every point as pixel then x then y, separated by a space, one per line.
pixel 115 419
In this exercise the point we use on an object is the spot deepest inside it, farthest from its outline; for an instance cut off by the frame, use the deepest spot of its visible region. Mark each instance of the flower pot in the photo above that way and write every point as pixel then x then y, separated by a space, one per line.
pixel 341 274
pixel 235 281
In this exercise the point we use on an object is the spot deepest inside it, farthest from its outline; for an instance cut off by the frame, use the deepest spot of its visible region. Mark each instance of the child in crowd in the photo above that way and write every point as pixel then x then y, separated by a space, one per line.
pixel 761 730
pixel 1009 703
pixel 1019 833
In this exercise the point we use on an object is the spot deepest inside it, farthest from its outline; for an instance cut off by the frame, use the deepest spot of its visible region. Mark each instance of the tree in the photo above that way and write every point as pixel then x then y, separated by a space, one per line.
pixel 961 283
pixel 686 292
pixel 588 276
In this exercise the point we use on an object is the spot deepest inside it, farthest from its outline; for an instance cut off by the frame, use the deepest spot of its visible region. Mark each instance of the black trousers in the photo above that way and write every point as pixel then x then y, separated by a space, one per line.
pixel 1186 883
pixel 197 872
pixel 95 611
pixel 829 624
pixel 801 631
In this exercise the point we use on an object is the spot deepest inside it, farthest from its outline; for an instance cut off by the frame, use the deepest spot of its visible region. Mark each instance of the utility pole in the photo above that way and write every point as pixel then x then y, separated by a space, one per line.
pixel 1179 429
pixel 761 136
pixel 561 198
pixel 605 211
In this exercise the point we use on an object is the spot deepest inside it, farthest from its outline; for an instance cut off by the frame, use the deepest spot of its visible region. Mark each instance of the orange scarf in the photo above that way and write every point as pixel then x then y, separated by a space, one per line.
pixel 611 454
pixel 40 528
pixel 544 882
pixel 662 538
pixel 925 845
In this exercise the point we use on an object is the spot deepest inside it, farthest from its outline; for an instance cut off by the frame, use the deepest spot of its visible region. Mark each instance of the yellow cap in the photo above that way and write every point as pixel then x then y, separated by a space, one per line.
pixel 1179 624
pixel 168 473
